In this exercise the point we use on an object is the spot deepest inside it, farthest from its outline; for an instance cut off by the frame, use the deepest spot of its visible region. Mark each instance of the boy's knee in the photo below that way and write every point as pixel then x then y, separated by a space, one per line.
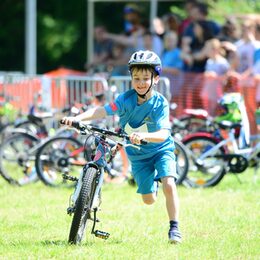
pixel 169 185
pixel 149 198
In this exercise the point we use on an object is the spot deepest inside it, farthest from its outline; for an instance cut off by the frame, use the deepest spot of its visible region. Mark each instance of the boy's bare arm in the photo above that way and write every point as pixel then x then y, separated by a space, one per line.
pixel 91 114
pixel 155 137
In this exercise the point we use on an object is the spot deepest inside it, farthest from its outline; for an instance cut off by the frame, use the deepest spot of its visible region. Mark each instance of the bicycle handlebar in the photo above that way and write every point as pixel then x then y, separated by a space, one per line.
pixel 83 127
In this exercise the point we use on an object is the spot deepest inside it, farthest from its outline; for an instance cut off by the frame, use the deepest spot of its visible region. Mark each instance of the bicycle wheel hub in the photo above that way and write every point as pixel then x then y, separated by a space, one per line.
pixel 63 162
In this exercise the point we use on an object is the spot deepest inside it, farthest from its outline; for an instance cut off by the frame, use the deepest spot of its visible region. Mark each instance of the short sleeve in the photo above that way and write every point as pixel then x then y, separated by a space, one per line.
pixel 161 116
pixel 115 107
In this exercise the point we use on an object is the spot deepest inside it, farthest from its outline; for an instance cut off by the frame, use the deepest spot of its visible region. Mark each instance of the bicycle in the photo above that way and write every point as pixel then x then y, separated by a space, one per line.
pixel 212 156
pixel 86 198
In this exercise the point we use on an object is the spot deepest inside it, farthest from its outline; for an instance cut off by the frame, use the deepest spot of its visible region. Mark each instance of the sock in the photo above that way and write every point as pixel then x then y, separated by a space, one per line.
pixel 173 224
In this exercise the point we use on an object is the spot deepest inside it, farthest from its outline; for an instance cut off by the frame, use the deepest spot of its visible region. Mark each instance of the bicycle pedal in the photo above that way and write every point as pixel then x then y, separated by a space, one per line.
pixel 101 234
pixel 65 176
pixel 70 210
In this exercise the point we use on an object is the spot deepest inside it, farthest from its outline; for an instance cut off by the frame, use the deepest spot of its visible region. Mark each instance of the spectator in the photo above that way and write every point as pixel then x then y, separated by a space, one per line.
pixel 194 56
pixel 150 41
pixel 142 39
pixel 189 4
pixel 172 62
pixel 132 19
pixel 229 31
pixel 257 31
pixel 199 12
pixel 159 27
pixel 193 37
pixel 171 23
pixel 102 51
pixel 216 67
pixel 171 57
pixel 116 64
pixel 246 47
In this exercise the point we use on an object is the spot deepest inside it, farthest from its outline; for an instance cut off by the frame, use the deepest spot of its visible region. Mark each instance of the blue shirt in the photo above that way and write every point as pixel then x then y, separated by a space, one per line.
pixel 151 116
pixel 172 59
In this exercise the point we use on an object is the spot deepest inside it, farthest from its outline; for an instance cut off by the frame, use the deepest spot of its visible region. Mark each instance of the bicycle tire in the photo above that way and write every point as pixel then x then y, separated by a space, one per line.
pixel 83 207
pixel 14 153
pixel 49 164
pixel 204 176
pixel 182 161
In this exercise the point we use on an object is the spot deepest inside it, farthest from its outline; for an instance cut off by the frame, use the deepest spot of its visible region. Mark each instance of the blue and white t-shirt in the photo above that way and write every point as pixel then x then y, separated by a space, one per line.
pixel 151 116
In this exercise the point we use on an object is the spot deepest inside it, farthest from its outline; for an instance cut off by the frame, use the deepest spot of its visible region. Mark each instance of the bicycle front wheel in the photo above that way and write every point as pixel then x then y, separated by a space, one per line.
pixel 83 206
pixel 211 170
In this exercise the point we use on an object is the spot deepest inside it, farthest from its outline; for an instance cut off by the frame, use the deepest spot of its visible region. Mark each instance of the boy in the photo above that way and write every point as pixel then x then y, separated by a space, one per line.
pixel 144 115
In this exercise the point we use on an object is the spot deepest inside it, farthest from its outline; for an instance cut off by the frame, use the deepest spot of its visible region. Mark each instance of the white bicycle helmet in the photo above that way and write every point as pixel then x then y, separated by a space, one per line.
pixel 146 58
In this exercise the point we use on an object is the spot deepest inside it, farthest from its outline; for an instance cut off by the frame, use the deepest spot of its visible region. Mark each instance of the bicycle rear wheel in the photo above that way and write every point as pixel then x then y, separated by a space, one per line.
pixel 83 206
pixel 17 157
pixel 182 161
pixel 209 172
pixel 58 156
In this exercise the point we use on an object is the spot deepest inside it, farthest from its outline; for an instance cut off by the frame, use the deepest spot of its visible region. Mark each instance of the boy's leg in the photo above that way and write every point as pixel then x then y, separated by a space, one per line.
pixel 171 196
pixel 149 198
pixel 172 205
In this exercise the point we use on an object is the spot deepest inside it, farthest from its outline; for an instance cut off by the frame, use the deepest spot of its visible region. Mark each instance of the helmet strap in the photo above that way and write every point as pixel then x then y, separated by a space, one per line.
pixel 143 96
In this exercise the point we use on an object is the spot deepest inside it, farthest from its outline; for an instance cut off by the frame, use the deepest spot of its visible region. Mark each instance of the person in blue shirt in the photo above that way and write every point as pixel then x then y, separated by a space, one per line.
pixel 144 115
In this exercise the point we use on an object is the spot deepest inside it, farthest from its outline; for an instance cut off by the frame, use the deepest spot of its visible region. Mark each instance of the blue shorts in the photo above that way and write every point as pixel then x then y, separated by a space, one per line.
pixel 146 171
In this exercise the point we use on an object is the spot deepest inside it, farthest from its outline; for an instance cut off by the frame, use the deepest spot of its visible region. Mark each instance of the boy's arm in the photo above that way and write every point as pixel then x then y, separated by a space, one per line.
pixel 91 114
pixel 154 137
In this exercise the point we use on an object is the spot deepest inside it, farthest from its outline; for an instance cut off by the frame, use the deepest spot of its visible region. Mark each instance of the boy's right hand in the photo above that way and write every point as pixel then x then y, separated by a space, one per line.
pixel 67 120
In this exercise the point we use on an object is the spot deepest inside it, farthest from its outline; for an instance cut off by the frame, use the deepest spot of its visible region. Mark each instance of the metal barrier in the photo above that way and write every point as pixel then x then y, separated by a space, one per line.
pixel 79 89
pixel 57 92
pixel 23 91
pixel 20 89
pixel 123 83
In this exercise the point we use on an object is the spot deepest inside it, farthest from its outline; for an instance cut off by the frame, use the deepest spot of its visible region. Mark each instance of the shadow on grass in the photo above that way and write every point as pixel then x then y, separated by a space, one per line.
pixel 84 243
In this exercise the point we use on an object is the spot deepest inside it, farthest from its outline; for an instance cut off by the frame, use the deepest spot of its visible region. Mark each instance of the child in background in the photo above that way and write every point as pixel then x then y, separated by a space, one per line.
pixel 172 63
pixel 216 67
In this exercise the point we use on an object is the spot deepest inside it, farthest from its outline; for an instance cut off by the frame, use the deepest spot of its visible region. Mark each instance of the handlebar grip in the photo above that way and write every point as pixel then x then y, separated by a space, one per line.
pixel 76 125
pixel 144 142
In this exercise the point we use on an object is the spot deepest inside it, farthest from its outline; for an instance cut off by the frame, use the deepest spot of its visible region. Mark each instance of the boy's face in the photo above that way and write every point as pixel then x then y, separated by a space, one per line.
pixel 141 80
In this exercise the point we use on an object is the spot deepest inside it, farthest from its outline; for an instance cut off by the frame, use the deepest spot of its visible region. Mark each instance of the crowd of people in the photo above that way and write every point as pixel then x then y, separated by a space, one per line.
pixel 195 45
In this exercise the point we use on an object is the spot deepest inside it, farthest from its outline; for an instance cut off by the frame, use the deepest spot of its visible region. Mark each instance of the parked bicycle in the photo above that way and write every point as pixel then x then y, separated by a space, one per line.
pixel 212 156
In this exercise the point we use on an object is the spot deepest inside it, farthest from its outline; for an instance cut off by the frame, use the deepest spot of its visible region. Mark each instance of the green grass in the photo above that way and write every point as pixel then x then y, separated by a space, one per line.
pixel 217 223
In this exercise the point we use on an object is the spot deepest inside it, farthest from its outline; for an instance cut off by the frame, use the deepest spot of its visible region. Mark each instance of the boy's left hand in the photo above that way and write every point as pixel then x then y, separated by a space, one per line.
pixel 135 138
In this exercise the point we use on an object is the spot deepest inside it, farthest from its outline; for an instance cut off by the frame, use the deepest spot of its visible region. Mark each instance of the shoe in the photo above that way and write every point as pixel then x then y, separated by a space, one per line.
pixel 174 236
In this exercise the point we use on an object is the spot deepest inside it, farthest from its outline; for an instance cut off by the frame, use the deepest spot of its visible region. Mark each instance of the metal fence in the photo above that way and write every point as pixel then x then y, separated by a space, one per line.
pixel 194 91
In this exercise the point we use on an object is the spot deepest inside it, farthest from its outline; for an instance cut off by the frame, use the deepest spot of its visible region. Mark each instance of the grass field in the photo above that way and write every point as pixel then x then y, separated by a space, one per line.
pixel 217 223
